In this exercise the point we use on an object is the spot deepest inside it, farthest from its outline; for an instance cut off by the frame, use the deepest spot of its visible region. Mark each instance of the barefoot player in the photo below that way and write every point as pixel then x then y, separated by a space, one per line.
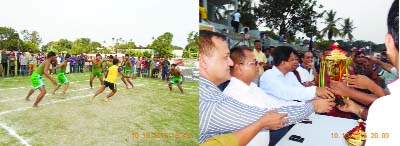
pixel 62 79
pixel 97 70
pixel 111 80
pixel 176 78
pixel 127 70
pixel 37 81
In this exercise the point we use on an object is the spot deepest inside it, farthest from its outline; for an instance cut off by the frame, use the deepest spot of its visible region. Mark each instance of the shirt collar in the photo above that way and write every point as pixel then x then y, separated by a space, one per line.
pixel 239 84
pixel 276 71
pixel 301 65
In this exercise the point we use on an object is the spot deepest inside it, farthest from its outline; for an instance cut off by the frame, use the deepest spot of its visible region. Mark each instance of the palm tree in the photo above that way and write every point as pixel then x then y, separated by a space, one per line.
pixel 331 29
pixel 347 29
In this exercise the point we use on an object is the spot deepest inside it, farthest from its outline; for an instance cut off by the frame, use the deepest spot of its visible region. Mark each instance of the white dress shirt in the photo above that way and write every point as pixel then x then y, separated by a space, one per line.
pixel 254 96
pixel 305 75
pixel 286 87
pixel 382 119
pixel 236 17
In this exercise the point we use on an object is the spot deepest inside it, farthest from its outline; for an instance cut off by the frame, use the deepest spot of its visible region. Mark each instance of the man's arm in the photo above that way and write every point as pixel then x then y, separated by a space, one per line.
pixel 46 72
pixel 285 91
pixel 341 89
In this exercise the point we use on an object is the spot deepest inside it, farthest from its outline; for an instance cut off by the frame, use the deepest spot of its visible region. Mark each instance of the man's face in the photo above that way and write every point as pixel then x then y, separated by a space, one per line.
pixel 257 45
pixel 54 58
pixel 68 59
pixel 360 58
pixel 217 64
pixel 126 57
pixel 292 62
pixel 249 66
pixel 307 58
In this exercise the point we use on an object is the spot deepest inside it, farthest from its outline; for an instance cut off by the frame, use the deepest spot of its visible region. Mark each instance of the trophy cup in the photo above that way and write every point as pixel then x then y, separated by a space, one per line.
pixel 333 67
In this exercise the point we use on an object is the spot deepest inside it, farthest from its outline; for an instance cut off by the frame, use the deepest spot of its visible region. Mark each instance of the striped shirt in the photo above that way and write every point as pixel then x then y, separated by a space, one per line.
pixel 220 114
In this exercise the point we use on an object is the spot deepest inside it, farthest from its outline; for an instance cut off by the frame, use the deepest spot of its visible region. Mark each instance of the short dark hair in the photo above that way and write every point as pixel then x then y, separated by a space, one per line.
pixel 51 54
pixel 115 61
pixel 67 55
pixel 98 55
pixel 112 57
pixel 255 41
pixel 393 22
pixel 127 55
pixel 282 53
pixel 207 46
pixel 237 54
pixel 174 65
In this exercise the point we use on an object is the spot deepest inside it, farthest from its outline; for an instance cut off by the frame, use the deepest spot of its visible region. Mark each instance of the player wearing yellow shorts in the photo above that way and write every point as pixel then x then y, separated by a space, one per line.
pixel 111 80
pixel 62 79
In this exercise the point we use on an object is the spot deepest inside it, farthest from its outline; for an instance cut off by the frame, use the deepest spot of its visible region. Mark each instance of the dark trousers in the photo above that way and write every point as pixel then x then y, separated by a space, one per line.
pixel 12 70
pixel 164 74
pixel 5 65
pixel 71 68
pixel 138 70
pixel 18 68
pixel 276 135
pixel 80 67
pixel 23 70
pixel 235 25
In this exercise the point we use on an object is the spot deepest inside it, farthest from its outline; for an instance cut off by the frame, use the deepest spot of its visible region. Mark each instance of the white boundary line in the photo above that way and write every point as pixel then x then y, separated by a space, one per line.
pixel 28 87
pixel 13 133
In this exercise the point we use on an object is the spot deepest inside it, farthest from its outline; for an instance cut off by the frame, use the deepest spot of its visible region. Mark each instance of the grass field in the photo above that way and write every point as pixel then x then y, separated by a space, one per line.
pixel 147 115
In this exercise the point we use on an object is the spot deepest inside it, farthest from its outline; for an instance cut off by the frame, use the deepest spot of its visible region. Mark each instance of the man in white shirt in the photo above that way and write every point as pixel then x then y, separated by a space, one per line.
pixel 243 72
pixel 236 21
pixel 306 69
pixel 282 83
pixel 381 116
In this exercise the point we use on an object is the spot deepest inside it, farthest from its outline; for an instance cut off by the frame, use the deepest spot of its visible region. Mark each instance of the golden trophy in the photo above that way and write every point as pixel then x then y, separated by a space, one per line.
pixel 333 67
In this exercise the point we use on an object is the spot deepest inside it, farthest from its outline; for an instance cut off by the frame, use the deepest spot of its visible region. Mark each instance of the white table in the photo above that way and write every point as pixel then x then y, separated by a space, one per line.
pixel 320 131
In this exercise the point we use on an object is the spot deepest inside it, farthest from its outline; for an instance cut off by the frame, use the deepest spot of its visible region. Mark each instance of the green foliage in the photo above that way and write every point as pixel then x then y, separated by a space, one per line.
pixel 247 18
pixel 289 16
pixel 9 38
pixel 331 28
pixel 162 45
pixel 147 54
pixel 192 49
pixel 347 29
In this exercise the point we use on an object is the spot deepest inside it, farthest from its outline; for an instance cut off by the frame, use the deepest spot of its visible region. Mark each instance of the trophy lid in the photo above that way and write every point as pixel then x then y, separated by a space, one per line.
pixel 336 53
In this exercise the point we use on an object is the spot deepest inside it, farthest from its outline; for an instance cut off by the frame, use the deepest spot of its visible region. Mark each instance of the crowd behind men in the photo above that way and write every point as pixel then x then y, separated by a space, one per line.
pixel 20 63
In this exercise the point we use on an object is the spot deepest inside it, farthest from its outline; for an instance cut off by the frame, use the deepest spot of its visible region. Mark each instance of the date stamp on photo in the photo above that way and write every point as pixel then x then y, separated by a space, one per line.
pixel 383 135
pixel 161 135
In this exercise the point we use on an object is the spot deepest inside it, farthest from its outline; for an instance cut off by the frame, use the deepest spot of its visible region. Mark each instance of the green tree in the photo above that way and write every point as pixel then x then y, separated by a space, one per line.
pixel 192 49
pixel 288 16
pixel 9 38
pixel 331 28
pixel 247 14
pixel 347 29
pixel 162 45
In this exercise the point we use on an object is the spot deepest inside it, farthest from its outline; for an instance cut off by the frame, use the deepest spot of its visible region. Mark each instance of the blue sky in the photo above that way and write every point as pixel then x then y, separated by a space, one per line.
pixel 101 20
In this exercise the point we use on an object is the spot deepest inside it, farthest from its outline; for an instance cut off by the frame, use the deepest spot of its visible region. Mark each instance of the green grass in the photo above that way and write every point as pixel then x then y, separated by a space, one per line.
pixel 148 108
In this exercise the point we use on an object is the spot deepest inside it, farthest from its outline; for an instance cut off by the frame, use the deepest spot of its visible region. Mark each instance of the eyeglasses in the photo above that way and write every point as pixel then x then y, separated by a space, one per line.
pixel 251 63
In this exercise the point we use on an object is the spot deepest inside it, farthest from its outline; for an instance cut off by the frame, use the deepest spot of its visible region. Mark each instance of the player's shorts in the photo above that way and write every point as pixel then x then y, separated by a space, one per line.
pixel 36 80
pixel 127 72
pixel 112 86
pixel 97 73
pixel 176 80
pixel 62 79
